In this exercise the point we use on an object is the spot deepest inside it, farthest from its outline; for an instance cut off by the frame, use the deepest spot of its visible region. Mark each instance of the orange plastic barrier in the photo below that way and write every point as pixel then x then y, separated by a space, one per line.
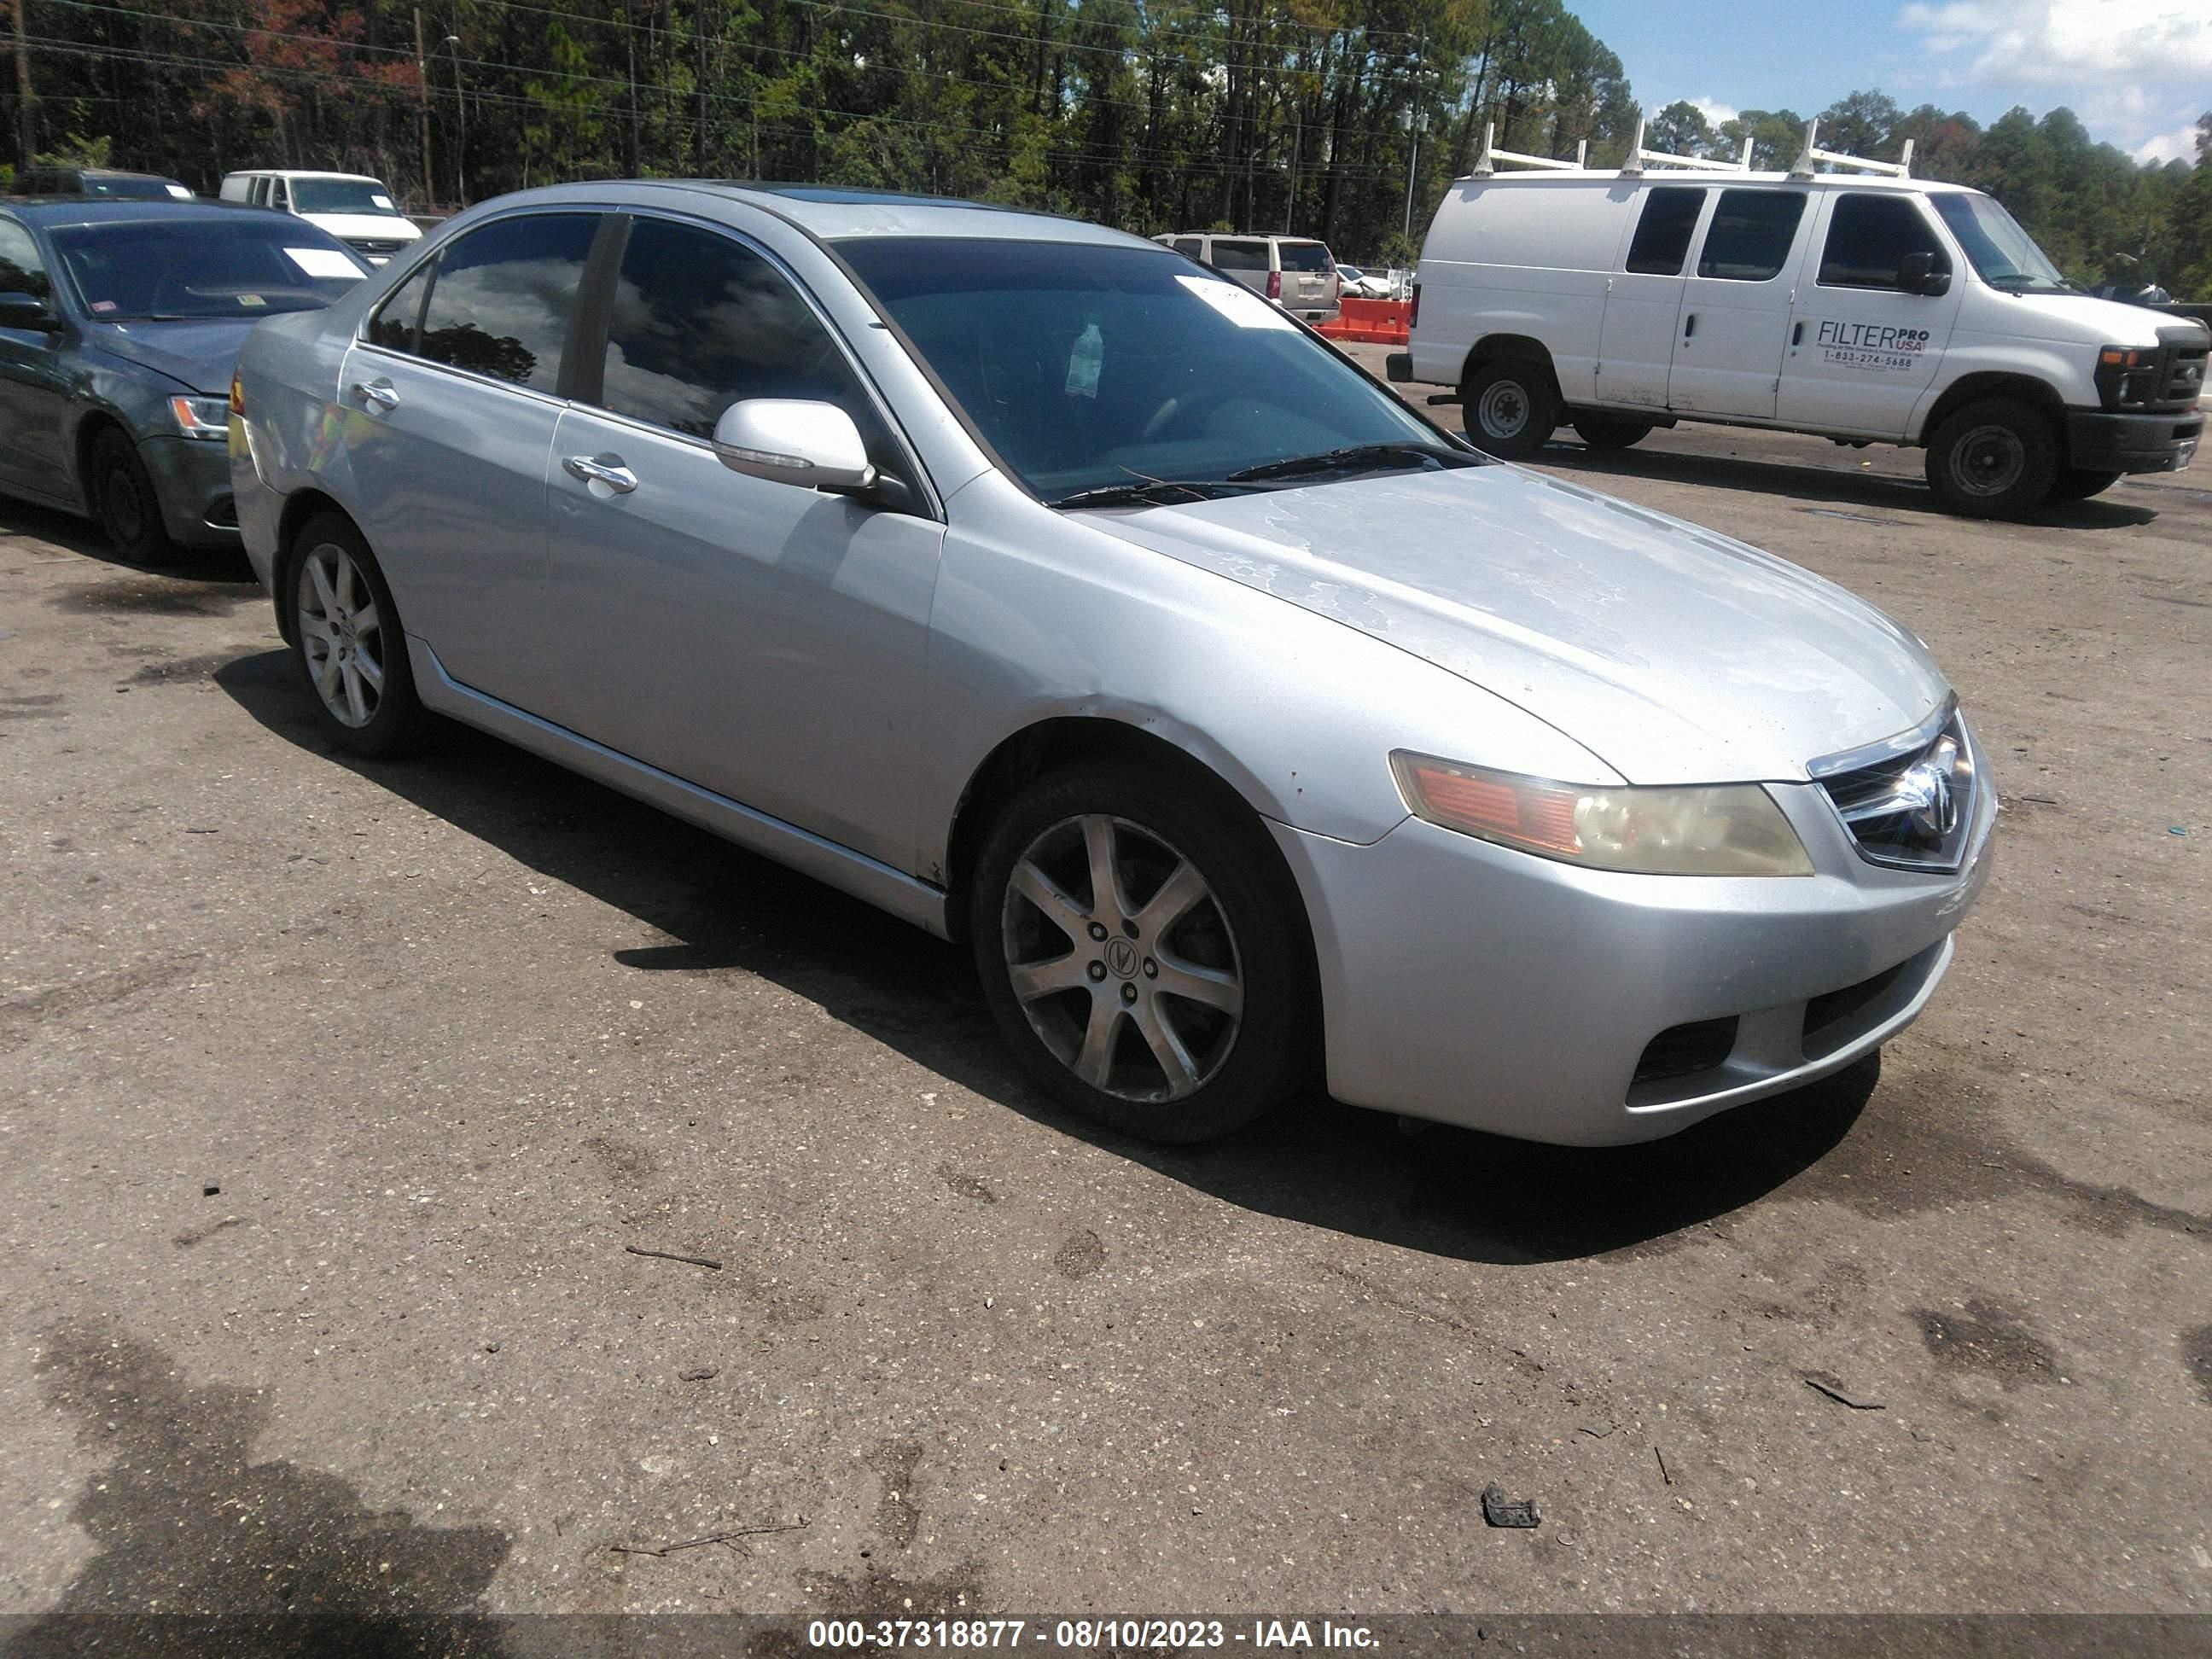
pixel 1374 322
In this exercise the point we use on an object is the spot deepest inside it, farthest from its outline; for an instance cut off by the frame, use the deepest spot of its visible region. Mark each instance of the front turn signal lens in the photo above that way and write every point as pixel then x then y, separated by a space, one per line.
pixel 1708 829
pixel 237 396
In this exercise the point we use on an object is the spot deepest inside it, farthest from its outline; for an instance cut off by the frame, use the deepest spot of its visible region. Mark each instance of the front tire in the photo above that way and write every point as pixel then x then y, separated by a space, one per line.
pixel 1141 955
pixel 348 641
pixel 1611 431
pixel 2078 483
pixel 1511 410
pixel 123 498
pixel 1993 459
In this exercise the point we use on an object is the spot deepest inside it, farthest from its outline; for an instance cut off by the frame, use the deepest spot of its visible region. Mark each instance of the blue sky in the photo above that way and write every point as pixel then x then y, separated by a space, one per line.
pixel 2137 72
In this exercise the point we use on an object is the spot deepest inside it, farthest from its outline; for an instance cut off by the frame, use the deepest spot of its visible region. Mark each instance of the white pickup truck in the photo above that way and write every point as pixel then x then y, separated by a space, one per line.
pixel 1861 309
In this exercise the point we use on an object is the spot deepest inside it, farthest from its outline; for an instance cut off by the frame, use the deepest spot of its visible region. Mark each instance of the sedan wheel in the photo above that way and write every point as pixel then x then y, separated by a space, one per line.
pixel 1144 952
pixel 350 648
pixel 123 498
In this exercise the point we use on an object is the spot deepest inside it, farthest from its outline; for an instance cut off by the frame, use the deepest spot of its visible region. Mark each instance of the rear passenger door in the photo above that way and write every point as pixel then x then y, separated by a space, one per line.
pixel 450 398
pixel 761 640
pixel 1864 351
pixel 1643 300
pixel 1735 305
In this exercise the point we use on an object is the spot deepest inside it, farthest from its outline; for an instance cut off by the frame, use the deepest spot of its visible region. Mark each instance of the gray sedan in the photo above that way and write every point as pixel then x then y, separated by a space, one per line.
pixel 1054 594
pixel 119 323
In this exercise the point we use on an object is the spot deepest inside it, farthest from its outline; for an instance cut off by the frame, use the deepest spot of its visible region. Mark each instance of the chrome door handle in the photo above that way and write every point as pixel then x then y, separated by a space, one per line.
pixel 377 392
pixel 602 469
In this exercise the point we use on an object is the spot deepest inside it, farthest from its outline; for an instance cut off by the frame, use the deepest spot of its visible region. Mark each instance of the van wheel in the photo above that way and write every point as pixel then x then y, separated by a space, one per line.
pixel 2078 483
pixel 1511 410
pixel 1610 431
pixel 350 648
pixel 1993 459
pixel 1136 954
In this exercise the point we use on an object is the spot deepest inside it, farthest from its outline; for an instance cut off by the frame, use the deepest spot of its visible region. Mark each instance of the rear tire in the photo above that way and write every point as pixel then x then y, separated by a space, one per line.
pixel 1611 431
pixel 1993 459
pixel 121 494
pixel 2077 483
pixel 1511 410
pixel 1176 1006
pixel 348 641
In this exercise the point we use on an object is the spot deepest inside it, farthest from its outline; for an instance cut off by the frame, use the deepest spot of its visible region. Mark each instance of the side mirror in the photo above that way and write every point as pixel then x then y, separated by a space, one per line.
pixel 1917 273
pixel 29 312
pixel 793 441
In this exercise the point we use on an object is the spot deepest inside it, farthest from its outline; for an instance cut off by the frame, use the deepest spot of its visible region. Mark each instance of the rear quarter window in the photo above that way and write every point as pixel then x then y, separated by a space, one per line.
pixel 1229 255
pixel 1305 256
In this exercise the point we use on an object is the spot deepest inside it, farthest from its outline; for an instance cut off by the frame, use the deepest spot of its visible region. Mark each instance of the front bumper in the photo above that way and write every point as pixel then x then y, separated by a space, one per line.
pixel 192 477
pixel 1479 985
pixel 2098 440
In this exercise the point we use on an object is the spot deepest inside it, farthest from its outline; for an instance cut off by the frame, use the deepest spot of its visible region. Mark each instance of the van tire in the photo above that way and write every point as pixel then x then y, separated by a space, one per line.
pixel 1511 410
pixel 2078 483
pixel 1611 431
pixel 1997 459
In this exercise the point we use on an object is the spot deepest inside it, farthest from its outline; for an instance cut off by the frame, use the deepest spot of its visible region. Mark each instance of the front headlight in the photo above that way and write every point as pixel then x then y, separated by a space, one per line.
pixel 201 417
pixel 1712 829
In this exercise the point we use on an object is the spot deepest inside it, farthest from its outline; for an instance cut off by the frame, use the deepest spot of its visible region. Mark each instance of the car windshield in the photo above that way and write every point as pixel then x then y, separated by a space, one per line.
pixel 118 184
pixel 341 196
pixel 200 267
pixel 2003 255
pixel 1085 366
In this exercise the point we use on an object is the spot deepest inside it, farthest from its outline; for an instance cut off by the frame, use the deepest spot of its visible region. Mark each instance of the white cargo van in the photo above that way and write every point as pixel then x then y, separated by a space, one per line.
pixel 353 207
pixel 1860 306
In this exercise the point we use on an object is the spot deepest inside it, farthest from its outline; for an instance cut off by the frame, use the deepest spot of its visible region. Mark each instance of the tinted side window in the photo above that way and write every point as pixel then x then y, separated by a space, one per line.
pixel 1303 256
pixel 700 322
pixel 1751 233
pixel 397 320
pixel 502 300
pixel 1192 246
pixel 1869 235
pixel 1663 231
pixel 22 270
pixel 1239 256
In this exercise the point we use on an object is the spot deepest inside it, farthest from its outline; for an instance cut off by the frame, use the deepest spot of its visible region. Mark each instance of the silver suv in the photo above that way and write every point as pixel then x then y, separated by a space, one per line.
pixel 1057 594
pixel 1297 273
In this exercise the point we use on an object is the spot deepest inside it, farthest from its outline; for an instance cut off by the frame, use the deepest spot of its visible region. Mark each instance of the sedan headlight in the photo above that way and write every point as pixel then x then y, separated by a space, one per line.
pixel 201 417
pixel 1711 829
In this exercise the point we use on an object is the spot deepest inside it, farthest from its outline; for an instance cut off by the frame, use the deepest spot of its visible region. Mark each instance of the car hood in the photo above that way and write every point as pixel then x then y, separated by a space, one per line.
pixel 200 354
pixel 1674 654
pixel 376 227
pixel 2084 318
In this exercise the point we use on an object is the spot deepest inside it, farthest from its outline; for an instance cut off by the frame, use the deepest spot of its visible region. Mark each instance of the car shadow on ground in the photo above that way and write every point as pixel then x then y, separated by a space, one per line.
pixel 721 910
pixel 1876 492
pixel 84 539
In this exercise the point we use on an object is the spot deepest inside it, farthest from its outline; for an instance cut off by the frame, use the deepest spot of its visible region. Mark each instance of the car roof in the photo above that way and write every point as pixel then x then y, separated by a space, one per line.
pixel 833 214
pixel 56 211
pixel 97 173
pixel 300 172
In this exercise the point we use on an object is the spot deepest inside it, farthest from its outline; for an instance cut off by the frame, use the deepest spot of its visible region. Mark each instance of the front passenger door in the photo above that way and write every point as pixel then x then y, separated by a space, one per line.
pixel 764 641
pixel 34 396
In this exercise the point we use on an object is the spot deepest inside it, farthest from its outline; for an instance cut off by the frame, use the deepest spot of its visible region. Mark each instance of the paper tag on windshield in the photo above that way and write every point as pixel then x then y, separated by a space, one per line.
pixel 384 202
pixel 322 262
pixel 1237 303
pixel 180 192
pixel 252 300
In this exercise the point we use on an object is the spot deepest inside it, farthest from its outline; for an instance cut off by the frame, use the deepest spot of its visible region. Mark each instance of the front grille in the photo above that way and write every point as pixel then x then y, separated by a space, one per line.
pixel 1681 1050
pixel 378 244
pixel 2185 376
pixel 1910 808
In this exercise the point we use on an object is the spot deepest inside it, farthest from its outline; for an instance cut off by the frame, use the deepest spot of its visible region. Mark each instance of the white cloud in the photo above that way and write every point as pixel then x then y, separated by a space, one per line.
pixel 2070 42
pixel 1716 112
pixel 2179 145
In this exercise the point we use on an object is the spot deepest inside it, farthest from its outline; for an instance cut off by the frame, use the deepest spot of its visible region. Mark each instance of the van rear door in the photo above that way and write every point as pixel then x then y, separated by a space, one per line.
pixel 1864 345
pixel 1735 305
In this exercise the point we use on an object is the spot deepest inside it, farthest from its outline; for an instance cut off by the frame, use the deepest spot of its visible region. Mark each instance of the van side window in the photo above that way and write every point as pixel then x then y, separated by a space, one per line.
pixel 1869 236
pixel 1663 232
pixel 1231 255
pixel 1750 233
pixel 397 319
pixel 501 302
pixel 1191 245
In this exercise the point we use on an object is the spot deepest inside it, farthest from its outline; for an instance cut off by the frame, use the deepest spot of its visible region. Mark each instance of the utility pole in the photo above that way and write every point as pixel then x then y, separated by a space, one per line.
pixel 422 69
pixel 26 103
pixel 1413 129
pixel 698 138
pixel 461 113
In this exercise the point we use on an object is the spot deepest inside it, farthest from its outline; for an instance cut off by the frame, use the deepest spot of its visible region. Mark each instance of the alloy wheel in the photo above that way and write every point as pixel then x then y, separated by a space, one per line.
pixel 340 633
pixel 1122 958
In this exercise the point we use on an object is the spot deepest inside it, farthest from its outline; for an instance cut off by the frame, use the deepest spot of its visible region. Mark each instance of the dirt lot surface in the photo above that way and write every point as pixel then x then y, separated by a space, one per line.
pixel 334 1094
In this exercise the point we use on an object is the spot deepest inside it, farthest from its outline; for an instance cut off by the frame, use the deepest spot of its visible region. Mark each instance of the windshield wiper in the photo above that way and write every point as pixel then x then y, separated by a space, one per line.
pixel 1353 457
pixel 1154 492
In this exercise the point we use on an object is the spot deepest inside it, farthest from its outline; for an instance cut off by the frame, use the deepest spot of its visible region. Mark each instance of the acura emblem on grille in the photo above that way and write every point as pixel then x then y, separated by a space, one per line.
pixel 1909 813
pixel 1925 794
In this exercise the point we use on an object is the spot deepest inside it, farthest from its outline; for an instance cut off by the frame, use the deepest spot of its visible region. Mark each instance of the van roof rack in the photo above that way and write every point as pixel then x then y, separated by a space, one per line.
pixel 1809 159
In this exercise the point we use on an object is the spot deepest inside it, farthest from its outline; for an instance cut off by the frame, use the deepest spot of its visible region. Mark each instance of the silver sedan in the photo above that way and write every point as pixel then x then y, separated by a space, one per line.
pixel 1048 590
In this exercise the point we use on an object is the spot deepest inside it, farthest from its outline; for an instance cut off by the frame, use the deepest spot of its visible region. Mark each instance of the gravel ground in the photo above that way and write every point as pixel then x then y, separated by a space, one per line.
pixel 334 1096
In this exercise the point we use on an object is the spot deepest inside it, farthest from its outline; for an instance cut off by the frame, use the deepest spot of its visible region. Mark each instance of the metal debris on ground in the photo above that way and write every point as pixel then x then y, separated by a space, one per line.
pixel 1502 1511
pixel 670 1255
pixel 1834 1391
pixel 730 1538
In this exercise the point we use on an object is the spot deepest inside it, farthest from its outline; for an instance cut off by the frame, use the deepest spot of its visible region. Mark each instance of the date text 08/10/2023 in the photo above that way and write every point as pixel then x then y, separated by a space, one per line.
pixel 1289 1635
